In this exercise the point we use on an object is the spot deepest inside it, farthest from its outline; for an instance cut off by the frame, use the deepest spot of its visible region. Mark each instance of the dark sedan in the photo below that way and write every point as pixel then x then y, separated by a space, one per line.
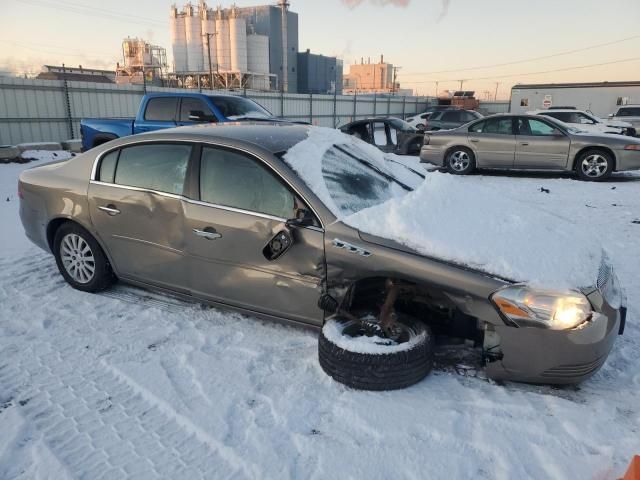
pixel 388 134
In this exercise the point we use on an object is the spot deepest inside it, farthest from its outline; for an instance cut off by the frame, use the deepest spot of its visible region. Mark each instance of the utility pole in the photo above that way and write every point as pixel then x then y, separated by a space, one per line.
pixel 208 37
pixel 437 88
pixel 495 97
pixel 461 82
pixel 395 77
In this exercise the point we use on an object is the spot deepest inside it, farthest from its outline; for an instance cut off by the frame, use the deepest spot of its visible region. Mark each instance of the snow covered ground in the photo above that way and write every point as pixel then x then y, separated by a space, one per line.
pixel 130 384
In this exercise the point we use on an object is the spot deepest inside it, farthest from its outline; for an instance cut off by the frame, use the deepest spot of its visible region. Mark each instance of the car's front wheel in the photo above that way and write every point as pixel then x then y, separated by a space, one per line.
pixel 80 259
pixel 594 165
pixel 356 354
pixel 460 161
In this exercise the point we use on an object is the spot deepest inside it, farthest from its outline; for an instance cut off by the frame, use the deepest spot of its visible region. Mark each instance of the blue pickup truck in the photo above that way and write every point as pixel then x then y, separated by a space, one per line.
pixel 167 110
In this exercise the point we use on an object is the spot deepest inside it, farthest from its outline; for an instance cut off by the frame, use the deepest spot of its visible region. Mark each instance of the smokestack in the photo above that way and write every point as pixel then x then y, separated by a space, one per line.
pixel 361 60
pixel 381 59
pixel 284 5
pixel 369 60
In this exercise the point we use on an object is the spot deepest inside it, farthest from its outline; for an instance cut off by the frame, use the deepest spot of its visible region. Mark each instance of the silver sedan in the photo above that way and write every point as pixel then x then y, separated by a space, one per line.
pixel 530 142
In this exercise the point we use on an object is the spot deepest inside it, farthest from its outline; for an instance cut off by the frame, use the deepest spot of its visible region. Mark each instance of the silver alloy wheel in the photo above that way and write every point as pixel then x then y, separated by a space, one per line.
pixel 459 160
pixel 594 165
pixel 77 258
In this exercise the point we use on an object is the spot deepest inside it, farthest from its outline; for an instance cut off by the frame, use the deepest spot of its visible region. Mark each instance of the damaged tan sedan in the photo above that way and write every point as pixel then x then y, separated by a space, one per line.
pixel 234 216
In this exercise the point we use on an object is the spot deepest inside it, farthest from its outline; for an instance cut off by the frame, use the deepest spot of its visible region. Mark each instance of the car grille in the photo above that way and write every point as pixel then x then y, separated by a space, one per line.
pixel 578 370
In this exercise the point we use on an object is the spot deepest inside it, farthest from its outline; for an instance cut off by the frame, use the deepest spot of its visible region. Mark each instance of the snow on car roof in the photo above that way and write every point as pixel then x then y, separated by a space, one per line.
pixel 471 221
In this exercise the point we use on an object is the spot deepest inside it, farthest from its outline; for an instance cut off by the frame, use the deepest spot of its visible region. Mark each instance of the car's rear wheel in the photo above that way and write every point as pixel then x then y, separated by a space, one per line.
pixel 80 259
pixel 594 165
pixel 460 161
pixel 357 355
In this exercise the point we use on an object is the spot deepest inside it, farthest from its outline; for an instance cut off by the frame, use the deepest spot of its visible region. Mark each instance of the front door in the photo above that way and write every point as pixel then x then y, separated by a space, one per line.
pixel 493 142
pixel 382 136
pixel 195 105
pixel 136 208
pixel 243 205
pixel 540 145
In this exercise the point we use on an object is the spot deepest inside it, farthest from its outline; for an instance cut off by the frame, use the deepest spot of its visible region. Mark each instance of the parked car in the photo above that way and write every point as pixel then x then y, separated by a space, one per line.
pixel 448 119
pixel 166 110
pixel 419 120
pixel 530 142
pixel 387 133
pixel 253 217
pixel 628 113
pixel 587 121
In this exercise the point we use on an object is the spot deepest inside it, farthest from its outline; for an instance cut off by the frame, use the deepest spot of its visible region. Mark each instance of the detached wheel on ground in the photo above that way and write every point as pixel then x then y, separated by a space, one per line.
pixel 594 165
pixel 357 355
pixel 460 161
pixel 80 259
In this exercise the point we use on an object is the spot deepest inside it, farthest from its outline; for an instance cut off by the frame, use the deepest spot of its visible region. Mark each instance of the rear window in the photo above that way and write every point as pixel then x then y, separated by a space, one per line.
pixel 162 109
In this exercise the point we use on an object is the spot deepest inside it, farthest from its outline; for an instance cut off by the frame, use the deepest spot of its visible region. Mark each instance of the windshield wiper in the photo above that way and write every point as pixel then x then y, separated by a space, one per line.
pixel 408 168
pixel 390 178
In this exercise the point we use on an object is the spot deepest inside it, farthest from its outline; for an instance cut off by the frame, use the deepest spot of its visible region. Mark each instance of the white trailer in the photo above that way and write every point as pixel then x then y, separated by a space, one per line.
pixel 600 98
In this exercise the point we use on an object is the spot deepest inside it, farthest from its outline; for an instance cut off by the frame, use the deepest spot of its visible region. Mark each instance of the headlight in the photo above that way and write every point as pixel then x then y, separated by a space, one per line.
pixel 525 306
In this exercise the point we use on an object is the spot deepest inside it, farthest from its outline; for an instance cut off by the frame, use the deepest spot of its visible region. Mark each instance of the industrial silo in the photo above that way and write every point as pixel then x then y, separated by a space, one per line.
pixel 193 27
pixel 238 41
pixel 178 41
pixel 258 53
pixel 222 40
pixel 209 30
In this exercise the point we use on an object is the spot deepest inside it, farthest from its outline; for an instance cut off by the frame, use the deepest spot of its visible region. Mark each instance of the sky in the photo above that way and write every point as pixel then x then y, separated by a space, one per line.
pixel 482 42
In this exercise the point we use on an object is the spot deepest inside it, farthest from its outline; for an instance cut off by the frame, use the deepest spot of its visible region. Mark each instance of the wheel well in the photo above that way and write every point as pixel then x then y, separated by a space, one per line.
pixel 598 148
pixel 52 228
pixel 427 304
pixel 100 139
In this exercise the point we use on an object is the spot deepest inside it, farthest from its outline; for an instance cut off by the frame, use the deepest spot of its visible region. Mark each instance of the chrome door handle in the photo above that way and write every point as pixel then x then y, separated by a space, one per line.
pixel 524 144
pixel 111 210
pixel 206 234
pixel 474 140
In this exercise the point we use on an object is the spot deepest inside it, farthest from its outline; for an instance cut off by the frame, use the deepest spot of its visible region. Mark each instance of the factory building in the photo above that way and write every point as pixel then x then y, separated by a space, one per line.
pixel 235 47
pixel 371 78
pixel 142 63
pixel 319 74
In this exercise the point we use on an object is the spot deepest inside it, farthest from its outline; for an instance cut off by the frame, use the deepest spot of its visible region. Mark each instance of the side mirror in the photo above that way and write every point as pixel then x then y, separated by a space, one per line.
pixel 611 115
pixel 304 218
pixel 200 116
pixel 557 133
pixel 278 245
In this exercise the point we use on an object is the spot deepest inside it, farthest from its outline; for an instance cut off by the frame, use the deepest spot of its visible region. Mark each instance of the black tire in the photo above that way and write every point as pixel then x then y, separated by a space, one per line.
pixel 102 276
pixel 460 161
pixel 384 371
pixel 594 165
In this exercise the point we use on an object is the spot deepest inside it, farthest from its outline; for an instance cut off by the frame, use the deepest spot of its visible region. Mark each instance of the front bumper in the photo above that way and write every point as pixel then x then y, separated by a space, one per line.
pixel 538 355
pixel 432 154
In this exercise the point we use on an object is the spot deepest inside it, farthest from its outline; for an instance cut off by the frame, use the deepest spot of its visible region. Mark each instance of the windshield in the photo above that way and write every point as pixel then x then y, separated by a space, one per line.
pixel 236 108
pixel 401 125
pixel 349 175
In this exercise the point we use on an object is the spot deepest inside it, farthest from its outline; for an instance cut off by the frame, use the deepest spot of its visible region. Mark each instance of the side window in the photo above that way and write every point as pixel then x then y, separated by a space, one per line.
pixel 436 116
pixel 541 129
pixel 468 117
pixel 161 109
pixel 161 167
pixel 629 112
pixel 524 102
pixel 451 117
pixel 562 116
pixel 190 104
pixel 500 126
pixel 108 167
pixel 477 127
pixel 236 180
pixel 379 134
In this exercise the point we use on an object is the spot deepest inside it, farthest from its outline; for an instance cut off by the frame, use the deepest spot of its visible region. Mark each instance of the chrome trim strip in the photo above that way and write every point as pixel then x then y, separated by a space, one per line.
pixel 350 247
pixel 193 143
pixel 198 202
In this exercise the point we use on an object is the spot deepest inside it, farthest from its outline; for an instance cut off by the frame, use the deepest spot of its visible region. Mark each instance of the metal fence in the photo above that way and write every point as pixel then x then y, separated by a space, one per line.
pixel 50 110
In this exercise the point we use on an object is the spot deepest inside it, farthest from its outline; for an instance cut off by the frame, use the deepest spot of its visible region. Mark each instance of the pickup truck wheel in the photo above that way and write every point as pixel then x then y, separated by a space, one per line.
pixel 355 356
pixel 80 259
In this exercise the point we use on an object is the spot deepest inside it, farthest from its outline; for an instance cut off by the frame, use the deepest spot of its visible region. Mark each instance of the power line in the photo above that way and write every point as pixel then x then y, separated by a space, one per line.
pixel 533 59
pixel 626 60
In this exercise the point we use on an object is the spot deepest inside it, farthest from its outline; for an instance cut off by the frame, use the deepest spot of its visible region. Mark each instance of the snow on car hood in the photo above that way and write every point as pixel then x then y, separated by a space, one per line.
pixel 463 220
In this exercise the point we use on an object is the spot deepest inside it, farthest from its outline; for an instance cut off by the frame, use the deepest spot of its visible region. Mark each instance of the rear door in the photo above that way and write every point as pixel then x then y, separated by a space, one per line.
pixel 243 205
pixel 382 136
pixel 159 113
pixel 540 145
pixel 450 119
pixel 493 142
pixel 136 207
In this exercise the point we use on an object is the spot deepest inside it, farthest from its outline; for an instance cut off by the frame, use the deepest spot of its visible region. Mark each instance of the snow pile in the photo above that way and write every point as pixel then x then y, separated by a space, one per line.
pixel 46 155
pixel 459 219
pixel 333 331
